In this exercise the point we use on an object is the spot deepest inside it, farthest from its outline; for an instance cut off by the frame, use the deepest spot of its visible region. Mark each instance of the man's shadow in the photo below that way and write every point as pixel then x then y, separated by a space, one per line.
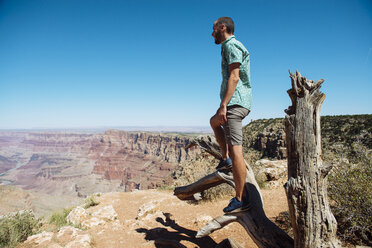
pixel 164 238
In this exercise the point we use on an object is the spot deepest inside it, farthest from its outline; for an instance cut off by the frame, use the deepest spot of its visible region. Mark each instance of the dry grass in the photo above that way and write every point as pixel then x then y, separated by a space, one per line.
pixel 58 218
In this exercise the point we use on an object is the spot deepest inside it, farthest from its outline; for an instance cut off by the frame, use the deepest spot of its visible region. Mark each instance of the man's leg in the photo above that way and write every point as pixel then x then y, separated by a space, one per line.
pixel 239 169
pixel 234 136
pixel 220 135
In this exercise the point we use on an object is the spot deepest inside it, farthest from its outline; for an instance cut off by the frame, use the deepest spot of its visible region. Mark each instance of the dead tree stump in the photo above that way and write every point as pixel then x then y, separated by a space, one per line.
pixel 313 223
pixel 263 231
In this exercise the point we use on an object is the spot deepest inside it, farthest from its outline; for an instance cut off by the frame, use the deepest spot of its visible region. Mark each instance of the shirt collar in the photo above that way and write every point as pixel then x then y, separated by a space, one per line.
pixel 227 40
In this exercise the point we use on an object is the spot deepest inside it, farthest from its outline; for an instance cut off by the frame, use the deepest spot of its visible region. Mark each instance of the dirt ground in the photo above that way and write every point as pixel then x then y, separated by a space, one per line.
pixel 142 218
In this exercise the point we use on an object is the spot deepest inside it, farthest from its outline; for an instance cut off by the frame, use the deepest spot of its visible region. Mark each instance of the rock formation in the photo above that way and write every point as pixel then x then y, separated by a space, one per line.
pixel 267 137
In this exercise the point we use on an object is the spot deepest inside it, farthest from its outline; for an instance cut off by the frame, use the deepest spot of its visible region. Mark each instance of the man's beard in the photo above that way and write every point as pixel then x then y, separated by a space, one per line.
pixel 218 39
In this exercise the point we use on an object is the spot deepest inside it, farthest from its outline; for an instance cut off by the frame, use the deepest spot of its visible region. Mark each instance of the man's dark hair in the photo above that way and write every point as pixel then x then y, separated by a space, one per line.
pixel 228 23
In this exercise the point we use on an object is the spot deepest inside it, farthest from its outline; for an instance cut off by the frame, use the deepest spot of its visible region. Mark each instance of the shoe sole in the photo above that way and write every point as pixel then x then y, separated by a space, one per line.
pixel 239 210
pixel 224 168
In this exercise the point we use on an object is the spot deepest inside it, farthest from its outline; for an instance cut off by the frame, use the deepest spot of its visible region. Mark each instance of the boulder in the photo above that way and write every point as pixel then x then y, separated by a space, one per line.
pixel 40 239
pixel 77 216
pixel 271 172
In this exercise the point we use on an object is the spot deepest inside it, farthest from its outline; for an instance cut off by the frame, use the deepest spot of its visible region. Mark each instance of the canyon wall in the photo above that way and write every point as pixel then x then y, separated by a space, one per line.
pixel 125 159
pixel 139 160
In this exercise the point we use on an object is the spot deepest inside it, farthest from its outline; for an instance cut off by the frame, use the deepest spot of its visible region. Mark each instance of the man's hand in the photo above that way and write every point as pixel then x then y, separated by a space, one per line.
pixel 230 89
pixel 221 113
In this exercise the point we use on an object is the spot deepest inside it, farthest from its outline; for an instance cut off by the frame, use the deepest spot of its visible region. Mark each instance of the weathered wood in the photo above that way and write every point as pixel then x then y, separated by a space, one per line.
pixel 187 192
pixel 206 143
pixel 312 221
pixel 263 231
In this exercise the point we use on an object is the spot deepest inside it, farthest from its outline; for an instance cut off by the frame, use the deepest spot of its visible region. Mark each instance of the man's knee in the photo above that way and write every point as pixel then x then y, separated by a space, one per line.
pixel 236 151
pixel 214 121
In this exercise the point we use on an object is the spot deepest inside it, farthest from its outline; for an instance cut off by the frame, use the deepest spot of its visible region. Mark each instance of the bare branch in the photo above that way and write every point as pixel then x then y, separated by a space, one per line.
pixel 207 143
pixel 216 224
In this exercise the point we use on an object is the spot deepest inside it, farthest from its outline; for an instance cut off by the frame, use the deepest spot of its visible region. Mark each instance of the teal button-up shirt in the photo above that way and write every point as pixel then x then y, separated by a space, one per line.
pixel 233 51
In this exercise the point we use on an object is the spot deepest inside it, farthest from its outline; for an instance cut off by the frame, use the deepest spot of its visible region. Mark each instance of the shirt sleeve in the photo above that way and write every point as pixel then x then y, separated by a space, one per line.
pixel 233 54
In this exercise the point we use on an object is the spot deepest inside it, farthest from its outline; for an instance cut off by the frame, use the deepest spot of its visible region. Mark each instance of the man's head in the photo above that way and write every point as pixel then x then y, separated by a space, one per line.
pixel 223 27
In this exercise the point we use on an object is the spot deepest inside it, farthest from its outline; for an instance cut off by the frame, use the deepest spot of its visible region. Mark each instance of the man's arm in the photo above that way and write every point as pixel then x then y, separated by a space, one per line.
pixel 230 89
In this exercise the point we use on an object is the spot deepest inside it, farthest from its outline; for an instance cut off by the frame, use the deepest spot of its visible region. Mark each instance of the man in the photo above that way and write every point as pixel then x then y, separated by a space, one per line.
pixel 235 105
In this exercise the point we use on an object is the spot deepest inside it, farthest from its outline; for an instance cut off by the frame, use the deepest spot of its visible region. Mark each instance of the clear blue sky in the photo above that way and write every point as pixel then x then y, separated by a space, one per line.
pixel 89 63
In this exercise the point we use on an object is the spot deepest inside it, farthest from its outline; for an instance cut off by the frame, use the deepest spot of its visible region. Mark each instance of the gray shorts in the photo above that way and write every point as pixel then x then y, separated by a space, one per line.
pixel 233 128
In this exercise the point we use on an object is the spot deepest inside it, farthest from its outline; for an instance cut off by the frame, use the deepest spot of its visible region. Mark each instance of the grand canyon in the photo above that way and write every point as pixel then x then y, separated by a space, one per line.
pixel 54 170
pixel 49 170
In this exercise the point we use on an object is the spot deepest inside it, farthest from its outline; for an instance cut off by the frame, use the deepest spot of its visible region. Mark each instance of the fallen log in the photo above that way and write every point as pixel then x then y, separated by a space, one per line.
pixel 263 231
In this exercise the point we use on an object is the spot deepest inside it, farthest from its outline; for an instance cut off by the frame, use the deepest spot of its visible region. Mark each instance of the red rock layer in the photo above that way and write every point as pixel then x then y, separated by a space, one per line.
pixel 139 160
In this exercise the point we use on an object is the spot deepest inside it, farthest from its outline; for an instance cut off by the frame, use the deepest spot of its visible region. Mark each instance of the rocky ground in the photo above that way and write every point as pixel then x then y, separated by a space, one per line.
pixel 150 218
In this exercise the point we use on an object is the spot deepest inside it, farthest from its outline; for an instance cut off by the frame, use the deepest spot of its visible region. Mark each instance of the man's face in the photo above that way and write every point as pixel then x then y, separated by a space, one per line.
pixel 217 33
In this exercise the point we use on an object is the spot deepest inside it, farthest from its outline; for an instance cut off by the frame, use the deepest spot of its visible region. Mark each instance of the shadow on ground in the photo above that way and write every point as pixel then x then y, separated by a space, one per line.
pixel 164 238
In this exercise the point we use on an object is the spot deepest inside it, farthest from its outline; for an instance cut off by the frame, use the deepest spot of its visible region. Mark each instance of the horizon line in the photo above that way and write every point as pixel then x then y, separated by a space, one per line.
pixel 154 127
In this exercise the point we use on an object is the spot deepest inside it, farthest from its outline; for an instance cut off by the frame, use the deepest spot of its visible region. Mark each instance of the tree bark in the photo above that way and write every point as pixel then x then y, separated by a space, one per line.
pixel 263 231
pixel 313 223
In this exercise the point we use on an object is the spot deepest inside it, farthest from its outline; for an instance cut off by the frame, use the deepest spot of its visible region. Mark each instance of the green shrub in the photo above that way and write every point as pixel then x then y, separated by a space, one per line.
pixel 165 187
pixel 16 228
pixel 350 189
pixel 90 202
pixel 58 218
